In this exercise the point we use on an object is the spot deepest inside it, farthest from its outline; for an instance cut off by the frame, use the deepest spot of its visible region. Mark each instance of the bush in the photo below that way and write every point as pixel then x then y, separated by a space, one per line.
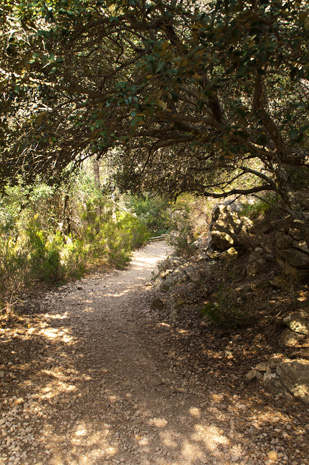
pixel 153 212
pixel 189 218
pixel 225 310
pixel 53 235
pixel 260 206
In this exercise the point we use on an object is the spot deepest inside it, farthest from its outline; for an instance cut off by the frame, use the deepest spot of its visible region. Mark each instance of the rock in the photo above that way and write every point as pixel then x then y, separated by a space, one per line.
pixel 297 258
pixel 272 455
pixel 227 229
pixel 172 278
pixel 294 376
pixel 251 375
pixel 298 322
pixel 289 377
pixel 262 366
pixel 213 254
pixel 292 339
pixel 280 282
pixel 256 267
pixel 229 254
pixel 257 262
pixel 192 273
pixel 222 240
pixel 291 248
pixel 273 362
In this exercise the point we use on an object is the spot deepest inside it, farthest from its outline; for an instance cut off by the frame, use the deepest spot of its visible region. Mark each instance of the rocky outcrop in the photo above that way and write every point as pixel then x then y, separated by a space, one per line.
pixel 258 262
pixel 178 271
pixel 298 322
pixel 290 377
pixel 285 376
pixel 227 229
pixel 291 248
pixel 297 333
pixel 294 377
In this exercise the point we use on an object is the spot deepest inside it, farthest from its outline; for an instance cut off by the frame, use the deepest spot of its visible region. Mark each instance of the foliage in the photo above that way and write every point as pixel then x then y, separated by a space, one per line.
pixel 259 206
pixel 152 211
pixel 51 235
pixel 189 220
pixel 111 233
pixel 225 310
pixel 193 95
pixel 182 235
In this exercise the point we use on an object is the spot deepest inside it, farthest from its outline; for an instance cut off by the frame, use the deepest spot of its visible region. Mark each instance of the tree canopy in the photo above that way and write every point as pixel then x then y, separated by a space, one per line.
pixel 181 95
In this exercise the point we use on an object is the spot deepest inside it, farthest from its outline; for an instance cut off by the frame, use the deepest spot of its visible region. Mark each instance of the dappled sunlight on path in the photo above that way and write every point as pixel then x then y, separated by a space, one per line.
pixel 89 382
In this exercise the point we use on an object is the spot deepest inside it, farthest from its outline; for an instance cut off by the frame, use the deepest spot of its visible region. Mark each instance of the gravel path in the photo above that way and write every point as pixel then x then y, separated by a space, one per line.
pixel 97 378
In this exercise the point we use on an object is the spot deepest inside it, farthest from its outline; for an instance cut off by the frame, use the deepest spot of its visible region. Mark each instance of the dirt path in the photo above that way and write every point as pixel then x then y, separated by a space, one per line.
pixel 97 378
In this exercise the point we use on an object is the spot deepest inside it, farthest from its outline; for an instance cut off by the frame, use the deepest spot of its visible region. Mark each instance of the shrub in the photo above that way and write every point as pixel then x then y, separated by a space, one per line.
pixel 35 243
pixel 224 309
pixel 260 206
pixel 152 211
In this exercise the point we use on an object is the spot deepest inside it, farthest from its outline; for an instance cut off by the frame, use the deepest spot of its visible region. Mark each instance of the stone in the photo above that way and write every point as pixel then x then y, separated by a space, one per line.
pixel 193 274
pixel 291 248
pixel 227 229
pixel 272 455
pixel 291 339
pixel 262 366
pixel 251 375
pixel 256 267
pixel 222 240
pixel 229 254
pixel 295 233
pixel 172 278
pixel 298 322
pixel 257 262
pixel 297 258
pixel 280 282
pixel 294 376
pixel 273 362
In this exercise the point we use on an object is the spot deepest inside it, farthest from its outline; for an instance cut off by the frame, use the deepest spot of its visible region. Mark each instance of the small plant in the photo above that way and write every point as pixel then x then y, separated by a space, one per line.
pixel 260 206
pixel 224 309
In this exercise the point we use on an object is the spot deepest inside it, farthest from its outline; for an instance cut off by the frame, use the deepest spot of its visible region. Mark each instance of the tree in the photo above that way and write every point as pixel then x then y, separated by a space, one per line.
pixel 193 95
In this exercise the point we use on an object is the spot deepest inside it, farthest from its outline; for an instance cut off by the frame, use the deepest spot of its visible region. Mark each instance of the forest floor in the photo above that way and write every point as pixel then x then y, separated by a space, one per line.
pixel 91 375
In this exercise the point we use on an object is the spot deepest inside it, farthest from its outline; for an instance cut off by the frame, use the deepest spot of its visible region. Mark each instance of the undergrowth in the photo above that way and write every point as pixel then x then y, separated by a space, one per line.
pixel 51 235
